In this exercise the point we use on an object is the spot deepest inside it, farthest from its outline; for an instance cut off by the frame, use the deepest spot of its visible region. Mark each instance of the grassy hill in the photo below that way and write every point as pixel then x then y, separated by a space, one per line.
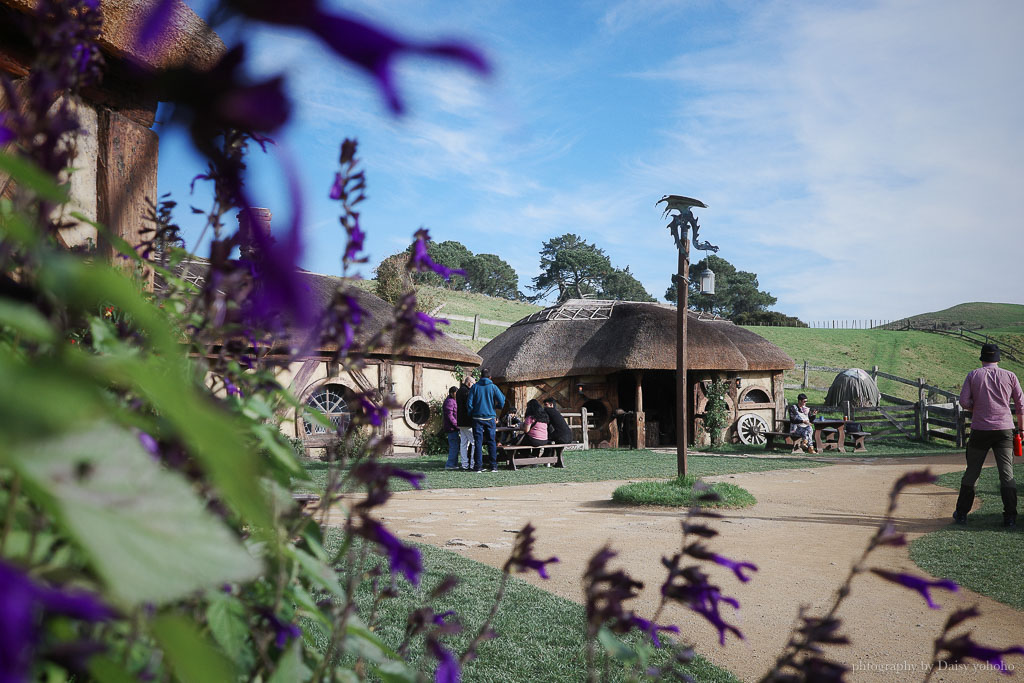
pixel 988 315
pixel 943 361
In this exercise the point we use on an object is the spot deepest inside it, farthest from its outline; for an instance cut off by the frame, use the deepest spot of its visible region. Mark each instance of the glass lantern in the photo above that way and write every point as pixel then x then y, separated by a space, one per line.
pixel 707 281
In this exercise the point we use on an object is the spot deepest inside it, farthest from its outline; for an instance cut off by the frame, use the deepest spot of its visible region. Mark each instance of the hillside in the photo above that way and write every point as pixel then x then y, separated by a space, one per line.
pixel 943 361
pixel 987 315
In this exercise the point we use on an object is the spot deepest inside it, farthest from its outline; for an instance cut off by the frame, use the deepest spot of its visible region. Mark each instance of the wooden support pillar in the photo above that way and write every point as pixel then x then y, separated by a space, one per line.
pixel 641 418
pixel 417 379
pixel 384 387
pixel 922 410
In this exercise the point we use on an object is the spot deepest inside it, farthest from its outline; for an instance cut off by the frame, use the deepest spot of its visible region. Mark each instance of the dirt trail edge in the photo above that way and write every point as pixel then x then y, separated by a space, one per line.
pixel 805 532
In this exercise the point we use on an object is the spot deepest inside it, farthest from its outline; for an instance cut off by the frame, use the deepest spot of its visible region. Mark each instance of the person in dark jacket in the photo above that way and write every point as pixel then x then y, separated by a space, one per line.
pixel 558 428
pixel 465 423
pixel 484 400
pixel 449 420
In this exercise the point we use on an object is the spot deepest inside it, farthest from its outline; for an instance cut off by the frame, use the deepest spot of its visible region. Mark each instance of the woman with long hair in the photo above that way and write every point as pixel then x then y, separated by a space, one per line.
pixel 535 424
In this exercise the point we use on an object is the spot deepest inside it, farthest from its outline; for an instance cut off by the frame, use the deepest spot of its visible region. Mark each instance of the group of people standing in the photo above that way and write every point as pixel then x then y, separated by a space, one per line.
pixel 470 417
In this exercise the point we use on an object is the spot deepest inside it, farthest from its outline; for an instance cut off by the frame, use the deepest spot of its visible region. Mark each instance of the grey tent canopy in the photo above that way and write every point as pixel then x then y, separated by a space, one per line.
pixel 853 385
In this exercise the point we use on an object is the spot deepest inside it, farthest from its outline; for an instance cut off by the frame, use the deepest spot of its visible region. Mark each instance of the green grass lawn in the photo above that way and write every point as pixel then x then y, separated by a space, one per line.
pixel 983 556
pixel 943 361
pixel 977 313
pixel 540 635
pixel 678 492
pixel 581 466
pixel 883 448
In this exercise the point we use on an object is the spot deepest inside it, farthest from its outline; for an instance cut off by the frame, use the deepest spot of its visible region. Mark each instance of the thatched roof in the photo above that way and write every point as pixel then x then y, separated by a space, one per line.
pixel 589 337
pixel 185 39
pixel 321 291
pixel 853 385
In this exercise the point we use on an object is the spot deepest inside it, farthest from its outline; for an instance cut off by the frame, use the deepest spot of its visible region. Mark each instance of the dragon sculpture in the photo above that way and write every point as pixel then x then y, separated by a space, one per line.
pixel 684 219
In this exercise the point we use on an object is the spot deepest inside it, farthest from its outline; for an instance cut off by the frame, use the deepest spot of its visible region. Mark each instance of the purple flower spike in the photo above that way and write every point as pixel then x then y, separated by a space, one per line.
pixel 522 559
pixel 421 261
pixel 702 553
pixel 404 559
pixel 150 444
pixel 918 584
pixel 965 648
pixel 651 629
pixel 375 413
pixel 371 472
pixel 428 326
pixel 448 670
pixel 912 478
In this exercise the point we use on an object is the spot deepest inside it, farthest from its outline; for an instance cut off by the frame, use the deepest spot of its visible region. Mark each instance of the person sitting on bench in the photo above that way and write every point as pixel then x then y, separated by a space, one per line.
pixel 558 428
pixel 535 425
pixel 800 418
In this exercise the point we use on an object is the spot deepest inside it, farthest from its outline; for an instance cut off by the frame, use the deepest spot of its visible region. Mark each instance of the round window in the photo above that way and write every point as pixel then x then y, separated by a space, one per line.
pixel 329 400
pixel 756 396
pixel 417 412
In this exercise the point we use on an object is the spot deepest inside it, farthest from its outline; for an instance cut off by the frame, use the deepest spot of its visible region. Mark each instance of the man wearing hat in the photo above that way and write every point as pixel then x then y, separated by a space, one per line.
pixel 987 392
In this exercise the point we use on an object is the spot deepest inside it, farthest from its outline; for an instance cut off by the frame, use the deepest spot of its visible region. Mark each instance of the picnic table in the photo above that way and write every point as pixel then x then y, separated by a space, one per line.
pixel 829 435
pixel 526 455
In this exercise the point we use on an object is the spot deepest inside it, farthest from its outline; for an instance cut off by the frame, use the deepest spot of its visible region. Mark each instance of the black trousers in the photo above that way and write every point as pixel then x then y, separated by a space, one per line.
pixel 1000 442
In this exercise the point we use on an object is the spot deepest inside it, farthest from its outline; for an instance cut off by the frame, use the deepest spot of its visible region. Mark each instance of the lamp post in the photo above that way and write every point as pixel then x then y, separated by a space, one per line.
pixel 680 209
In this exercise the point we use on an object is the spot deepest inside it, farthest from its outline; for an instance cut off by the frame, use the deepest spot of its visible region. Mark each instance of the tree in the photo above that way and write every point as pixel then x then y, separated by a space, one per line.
pixel 489 274
pixel 768 318
pixel 573 266
pixel 621 285
pixel 736 291
pixel 450 254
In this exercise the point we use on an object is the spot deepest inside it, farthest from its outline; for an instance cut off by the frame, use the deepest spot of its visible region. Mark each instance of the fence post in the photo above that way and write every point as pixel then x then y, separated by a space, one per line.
pixel 583 425
pixel 874 374
pixel 804 385
pixel 847 410
pixel 922 412
pixel 476 326
pixel 958 419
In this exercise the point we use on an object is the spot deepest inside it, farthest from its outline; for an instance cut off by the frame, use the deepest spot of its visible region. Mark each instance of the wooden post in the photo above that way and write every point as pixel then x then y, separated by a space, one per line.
pixel 922 412
pixel 476 326
pixel 584 421
pixel 682 289
pixel 806 374
pixel 847 410
pixel 958 418
pixel 641 418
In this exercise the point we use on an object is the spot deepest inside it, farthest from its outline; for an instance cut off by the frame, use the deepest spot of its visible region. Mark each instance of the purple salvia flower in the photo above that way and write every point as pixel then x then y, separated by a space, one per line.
pixel 420 260
pixel 284 631
pixel 368 47
pixel 921 585
pixel 522 559
pixel 605 592
pixel 404 559
pixel 701 552
pixel 690 587
pixel 375 413
pixel 912 478
pixel 375 474
pixel 149 443
pixel 428 326
pixel 24 604
pixel 337 187
pixel 889 536
pixel 651 629
pixel 448 670
pixel 964 647
pixel 356 240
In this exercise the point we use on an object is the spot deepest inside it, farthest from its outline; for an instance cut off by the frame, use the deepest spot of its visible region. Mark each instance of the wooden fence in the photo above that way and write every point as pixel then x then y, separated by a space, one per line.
pixel 477 321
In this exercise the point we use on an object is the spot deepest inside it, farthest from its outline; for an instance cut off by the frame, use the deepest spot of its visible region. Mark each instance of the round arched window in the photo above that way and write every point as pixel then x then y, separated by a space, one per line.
pixel 417 412
pixel 756 396
pixel 329 400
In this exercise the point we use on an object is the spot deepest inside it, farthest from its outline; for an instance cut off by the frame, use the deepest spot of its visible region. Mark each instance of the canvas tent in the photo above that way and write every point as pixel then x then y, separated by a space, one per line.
pixel 853 385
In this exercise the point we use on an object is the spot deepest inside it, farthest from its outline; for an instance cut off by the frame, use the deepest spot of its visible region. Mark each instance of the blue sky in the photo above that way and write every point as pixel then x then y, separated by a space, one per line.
pixel 864 159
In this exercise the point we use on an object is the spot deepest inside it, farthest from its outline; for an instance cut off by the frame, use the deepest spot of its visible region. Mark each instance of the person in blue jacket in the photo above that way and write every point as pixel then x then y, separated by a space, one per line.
pixel 484 400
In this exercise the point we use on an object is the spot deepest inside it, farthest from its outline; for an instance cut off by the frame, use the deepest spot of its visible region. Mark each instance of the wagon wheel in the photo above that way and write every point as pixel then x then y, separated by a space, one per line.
pixel 751 429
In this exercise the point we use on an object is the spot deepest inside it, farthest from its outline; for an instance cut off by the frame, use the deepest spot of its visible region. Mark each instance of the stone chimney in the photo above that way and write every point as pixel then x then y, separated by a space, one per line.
pixel 250 221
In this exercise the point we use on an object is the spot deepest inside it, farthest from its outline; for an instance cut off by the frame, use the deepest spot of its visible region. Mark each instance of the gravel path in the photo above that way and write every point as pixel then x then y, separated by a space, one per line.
pixel 805 532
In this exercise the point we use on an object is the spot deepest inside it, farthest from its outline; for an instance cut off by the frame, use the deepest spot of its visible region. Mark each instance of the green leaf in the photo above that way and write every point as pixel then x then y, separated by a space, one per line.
pixel 367 643
pixel 192 657
pixel 29 176
pixel 225 616
pixel 146 532
pixel 27 321
pixel 318 572
pixel 615 648
pixel 106 670
pixel 290 667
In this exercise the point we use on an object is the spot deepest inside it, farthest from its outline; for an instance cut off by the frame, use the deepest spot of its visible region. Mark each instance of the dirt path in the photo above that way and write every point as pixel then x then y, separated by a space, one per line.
pixel 807 529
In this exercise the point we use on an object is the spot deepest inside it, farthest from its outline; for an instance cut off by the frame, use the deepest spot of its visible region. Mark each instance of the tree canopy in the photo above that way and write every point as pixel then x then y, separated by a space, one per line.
pixel 736 291
pixel 485 273
pixel 574 268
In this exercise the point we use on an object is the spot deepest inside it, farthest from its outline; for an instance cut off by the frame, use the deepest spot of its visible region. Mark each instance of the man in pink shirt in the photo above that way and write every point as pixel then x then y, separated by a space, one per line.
pixel 987 392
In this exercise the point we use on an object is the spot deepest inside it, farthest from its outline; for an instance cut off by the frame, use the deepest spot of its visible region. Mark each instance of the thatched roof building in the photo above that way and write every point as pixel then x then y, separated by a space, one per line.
pixel 588 337
pixel 606 355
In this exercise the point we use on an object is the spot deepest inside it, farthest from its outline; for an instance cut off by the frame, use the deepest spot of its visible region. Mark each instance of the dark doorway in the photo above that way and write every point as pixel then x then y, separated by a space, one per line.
pixel 659 389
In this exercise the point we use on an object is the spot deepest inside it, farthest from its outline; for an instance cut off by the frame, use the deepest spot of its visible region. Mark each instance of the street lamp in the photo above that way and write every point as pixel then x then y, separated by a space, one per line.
pixel 679 208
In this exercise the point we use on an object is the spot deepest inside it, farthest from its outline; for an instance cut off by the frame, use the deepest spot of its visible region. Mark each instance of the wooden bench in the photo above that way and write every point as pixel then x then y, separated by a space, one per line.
pixel 778 440
pixel 306 501
pixel 858 440
pixel 548 455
